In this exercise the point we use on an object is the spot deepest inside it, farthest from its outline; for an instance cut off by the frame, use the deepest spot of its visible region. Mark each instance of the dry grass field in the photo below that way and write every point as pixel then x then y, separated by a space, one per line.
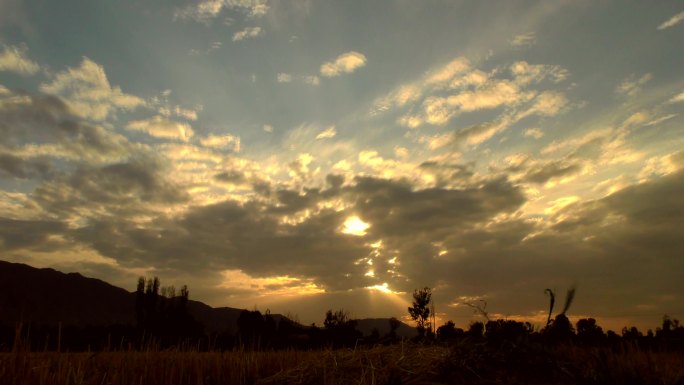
pixel 398 364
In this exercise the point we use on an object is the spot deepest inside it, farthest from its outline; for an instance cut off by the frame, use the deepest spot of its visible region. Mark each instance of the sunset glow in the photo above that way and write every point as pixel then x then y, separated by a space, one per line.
pixel 355 226
pixel 317 154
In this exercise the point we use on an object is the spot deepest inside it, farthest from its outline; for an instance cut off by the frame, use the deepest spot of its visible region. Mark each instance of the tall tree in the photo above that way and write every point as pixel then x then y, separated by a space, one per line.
pixel 420 310
pixel 140 302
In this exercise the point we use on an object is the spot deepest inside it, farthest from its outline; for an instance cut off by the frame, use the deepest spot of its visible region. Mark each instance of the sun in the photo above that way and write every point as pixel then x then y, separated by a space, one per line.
pixel 384 288
pixel 355 226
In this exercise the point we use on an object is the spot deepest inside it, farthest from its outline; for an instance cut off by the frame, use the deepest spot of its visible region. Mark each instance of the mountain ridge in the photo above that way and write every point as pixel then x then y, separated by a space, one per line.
pixel 47 296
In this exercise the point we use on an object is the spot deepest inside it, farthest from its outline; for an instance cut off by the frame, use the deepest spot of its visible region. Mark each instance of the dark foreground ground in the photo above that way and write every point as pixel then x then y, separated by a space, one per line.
pixel 403 363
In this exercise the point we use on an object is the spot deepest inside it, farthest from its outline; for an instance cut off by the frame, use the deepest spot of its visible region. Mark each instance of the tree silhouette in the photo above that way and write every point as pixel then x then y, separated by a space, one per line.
pixel 448 332
pixel 251 327
pixel 501 330
pixel 164 317
pixel 588 332
pixel 336 319
pixel 340 328
pixel 420 311
pixel 479 309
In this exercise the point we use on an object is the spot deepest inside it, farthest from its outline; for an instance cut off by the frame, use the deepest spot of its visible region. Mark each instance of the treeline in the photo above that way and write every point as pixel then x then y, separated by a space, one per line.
pixel 265 331
pixel 586 332
pixel 162 321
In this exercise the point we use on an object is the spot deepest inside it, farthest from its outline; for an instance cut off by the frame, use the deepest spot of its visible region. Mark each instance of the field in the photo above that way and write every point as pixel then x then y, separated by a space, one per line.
pixel 403 363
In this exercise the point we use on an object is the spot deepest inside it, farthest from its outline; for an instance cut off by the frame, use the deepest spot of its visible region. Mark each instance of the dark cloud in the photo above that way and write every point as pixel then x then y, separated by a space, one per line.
pixel 540 171
pixel 17 167
pixel 40 119
pixel 28 234
pixel 120 189
pixel 139 179
pixel 623 252
pixel 253 237
pixel 232 177
pixel 543 173
pixel 397 209
pixel 448 173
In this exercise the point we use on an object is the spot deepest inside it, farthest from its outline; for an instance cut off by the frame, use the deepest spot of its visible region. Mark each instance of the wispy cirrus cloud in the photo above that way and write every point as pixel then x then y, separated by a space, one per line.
pixel 677 98
pixel 247 33
pixel 329 132
pixel 632 85
pixel 284 78
pixel 163 128
pixel 534 132
pixel 524 40
pixel 205 11
pixel 312 80
pixel 345 63
pixel 671 22
pixel 458 88
pixel 226 141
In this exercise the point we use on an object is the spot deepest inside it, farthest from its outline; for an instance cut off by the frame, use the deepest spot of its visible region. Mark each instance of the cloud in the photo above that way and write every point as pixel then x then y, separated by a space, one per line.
pixel 329 132
pixel 480 133
pixel 527 73
pixel 632 85
pixel 131 191
pixel 345 63
pixel 658 166
pixel 207 10
pixel 88 93
pixel 268 128
pixel 534 132
pixel 160 127
pixel 547 103
pixel 408 93
pixel 677 98
pixel 19 167
pixel 542 172
pixel 310 244
pixel 491 95
pixel 671 22
pixel 258 9
pixel 458 88
pixel 247 33
pixel 185 113
pixel 227 141
pixel 284 78
pixel 165 108
pixel 28 234
pixel 440 110
pixel 448 71
pixel 659 120
pixel 312 80
pixel 14 59
pixel 593 136
pixel 37 126
pixel 524 40
pixel 438 141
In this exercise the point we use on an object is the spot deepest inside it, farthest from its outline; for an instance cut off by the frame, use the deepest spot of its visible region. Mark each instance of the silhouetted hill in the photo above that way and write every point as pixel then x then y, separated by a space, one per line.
pixel 367 325
pixel 47 297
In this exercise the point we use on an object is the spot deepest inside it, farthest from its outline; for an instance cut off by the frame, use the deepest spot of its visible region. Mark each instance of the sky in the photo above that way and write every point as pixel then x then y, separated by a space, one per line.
pixel 300 156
